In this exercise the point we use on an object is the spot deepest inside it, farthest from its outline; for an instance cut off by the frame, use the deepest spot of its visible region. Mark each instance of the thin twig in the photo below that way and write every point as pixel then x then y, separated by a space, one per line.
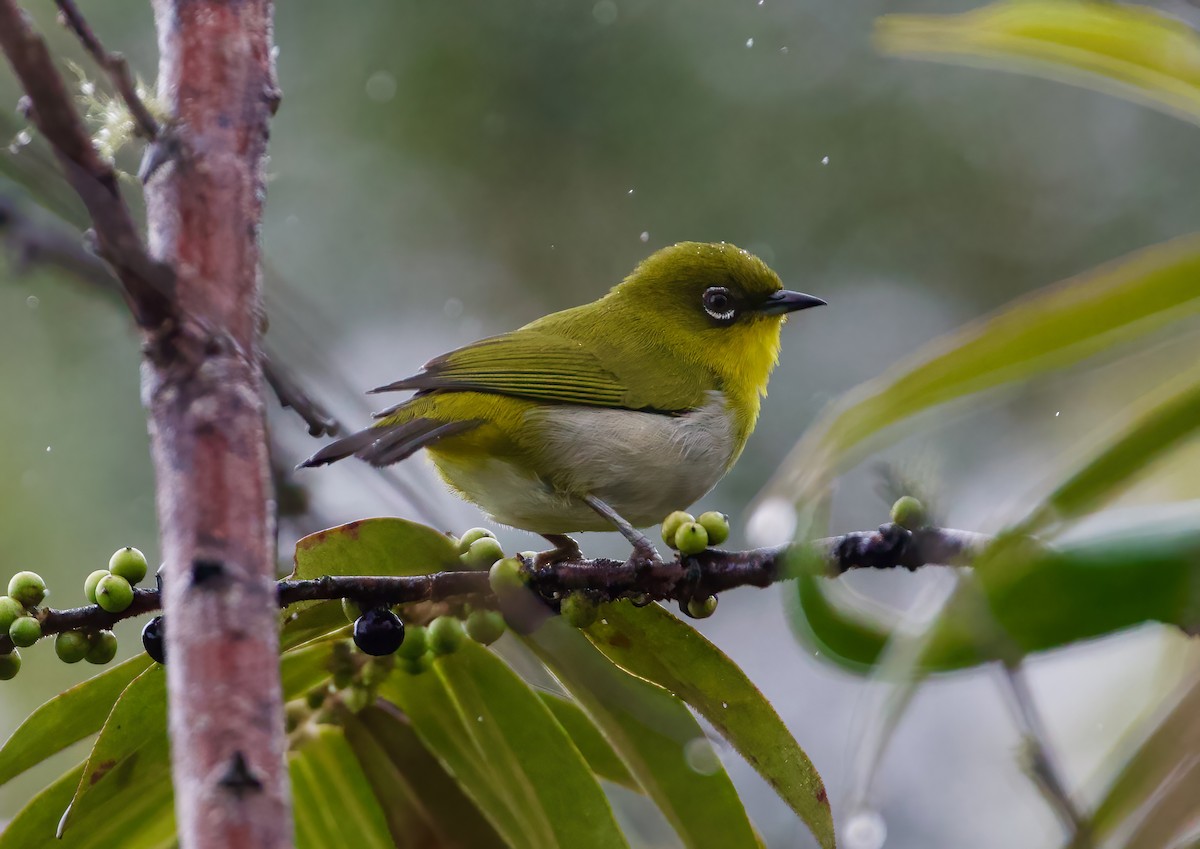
pixel 115 65
pixel 1042 766
pixel 708 573
pixel 146 283
pixel 33 243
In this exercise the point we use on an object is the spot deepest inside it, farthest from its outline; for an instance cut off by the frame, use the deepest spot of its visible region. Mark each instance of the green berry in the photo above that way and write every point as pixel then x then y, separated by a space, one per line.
pixel 691 538
pixel 485 626
pixel 717 525
pixel 71 646
pixel 90 582
pixel 417 665
pixel 10 665
pixel 702 608
pixel 672 524
pixel 466 540
pixel 103 648
pixel 351 609
pixel 356 698
pixel 482 553
pixel 129 563
pixel 506 575
pixel 25 632
pixel 114 593
pixel 445 635
pixel 28 588
pixel 415 642
pixel 909 513
pixel 10 611
pixel 579 610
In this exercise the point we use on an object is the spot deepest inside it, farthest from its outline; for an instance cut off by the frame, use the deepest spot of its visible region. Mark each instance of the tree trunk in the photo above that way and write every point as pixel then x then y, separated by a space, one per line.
pixel 203 388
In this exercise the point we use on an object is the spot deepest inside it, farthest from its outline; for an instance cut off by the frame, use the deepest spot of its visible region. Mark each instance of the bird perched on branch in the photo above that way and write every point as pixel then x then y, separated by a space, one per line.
pixel 607 415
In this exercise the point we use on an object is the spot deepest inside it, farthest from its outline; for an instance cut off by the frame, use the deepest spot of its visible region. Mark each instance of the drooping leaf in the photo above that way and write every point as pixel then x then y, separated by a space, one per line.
pixel 654 645
pixel 530 752
pixel 133 737
pixel 303 668
pixel 68 717
pixel 1132 51
pixel 506 750
pixel 590 741
pixel 657 737
pixel 383 546
pixel 332 802
pixel 418 797
pixel 1053 328
pixel 143 819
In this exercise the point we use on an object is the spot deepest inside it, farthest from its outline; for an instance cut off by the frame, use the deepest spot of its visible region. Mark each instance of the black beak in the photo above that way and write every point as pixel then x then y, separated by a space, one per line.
pixel 784 301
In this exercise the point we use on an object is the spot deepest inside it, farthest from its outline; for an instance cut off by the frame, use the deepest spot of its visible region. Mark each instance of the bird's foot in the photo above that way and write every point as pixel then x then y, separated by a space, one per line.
pixel 645 555
pixel 564 549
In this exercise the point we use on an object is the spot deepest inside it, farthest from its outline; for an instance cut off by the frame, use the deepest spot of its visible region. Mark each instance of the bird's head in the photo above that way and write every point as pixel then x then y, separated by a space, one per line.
pixel 716 305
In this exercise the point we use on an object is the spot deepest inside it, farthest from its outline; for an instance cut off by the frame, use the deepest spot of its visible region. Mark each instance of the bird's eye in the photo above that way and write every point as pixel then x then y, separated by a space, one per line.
pixel 719 304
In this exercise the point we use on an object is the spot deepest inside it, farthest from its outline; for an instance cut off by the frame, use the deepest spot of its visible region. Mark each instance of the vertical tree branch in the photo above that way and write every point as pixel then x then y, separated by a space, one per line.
pixel 203 386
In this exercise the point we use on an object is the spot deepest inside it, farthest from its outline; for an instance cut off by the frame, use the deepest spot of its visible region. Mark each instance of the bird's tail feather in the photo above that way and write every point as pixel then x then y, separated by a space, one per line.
pixel 385 444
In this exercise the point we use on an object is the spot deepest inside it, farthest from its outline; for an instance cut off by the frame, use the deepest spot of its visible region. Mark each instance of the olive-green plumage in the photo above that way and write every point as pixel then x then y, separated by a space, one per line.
pixel 642 399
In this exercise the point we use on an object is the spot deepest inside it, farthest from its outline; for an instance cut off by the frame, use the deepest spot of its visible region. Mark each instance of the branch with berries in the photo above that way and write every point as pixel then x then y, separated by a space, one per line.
pixel 519 589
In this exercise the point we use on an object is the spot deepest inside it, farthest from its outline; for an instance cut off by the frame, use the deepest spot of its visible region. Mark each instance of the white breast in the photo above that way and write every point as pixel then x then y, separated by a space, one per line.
pixel 643 465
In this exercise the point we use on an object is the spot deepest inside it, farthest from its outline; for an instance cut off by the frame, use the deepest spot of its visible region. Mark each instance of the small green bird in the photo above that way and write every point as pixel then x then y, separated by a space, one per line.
pixel 607 415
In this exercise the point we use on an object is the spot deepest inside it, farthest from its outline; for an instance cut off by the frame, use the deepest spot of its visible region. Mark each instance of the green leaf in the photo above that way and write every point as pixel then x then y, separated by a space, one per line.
pixel 423 803
pixel 384 546
pixel 590 741
pixel 68 717
pixel 534 761
pixel 653 644
pixel 657 737
pixel 308 622
pixel 1048 330
pixel 1132 51
pixel 132 737
pixel 332 801
pixel 1023 597
pixel 304 668
pixel 143 819
pixel 1167 421
pixel 1162 760
pixel 473 751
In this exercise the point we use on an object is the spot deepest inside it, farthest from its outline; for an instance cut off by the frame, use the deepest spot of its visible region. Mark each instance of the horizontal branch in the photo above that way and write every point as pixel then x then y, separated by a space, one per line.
pixel 708 573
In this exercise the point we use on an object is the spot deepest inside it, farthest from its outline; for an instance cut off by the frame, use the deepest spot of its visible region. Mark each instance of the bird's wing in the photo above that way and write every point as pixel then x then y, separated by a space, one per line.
pixel 543 366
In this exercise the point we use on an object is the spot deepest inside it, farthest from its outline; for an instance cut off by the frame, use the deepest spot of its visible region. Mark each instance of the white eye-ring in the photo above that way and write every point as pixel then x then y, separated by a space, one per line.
pixel 718 303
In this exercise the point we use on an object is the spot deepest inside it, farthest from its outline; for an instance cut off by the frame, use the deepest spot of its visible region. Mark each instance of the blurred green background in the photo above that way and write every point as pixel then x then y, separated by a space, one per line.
pixel 443 171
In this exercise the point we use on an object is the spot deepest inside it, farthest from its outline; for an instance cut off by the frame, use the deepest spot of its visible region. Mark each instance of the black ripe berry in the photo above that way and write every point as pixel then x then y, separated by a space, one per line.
pixel 153 639
pixel 378 632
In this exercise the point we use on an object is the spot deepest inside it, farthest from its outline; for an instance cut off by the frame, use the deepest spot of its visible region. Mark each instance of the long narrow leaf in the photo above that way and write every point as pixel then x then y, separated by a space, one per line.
pixel 332 800
pixel 1133 51
pixel 654 645
pixel 659 740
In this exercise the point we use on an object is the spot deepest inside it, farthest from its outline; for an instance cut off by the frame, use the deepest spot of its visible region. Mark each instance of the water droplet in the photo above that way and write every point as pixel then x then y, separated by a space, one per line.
pixel 701 756
pixel 87 88
pixel 783 49
pixel 381 87
pixel 453 308
pixel 725 705
pixel 645 237
pixel 479 719
pixel 760 2
pixel 47 449
pixel 32 302
pixel 603 621
pixel 749 42
pixel 773 523
pixel 631 191
pixel 824 160
pixel 1059 413
pixel 605 12
pixel 865 830
pixel 24 137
